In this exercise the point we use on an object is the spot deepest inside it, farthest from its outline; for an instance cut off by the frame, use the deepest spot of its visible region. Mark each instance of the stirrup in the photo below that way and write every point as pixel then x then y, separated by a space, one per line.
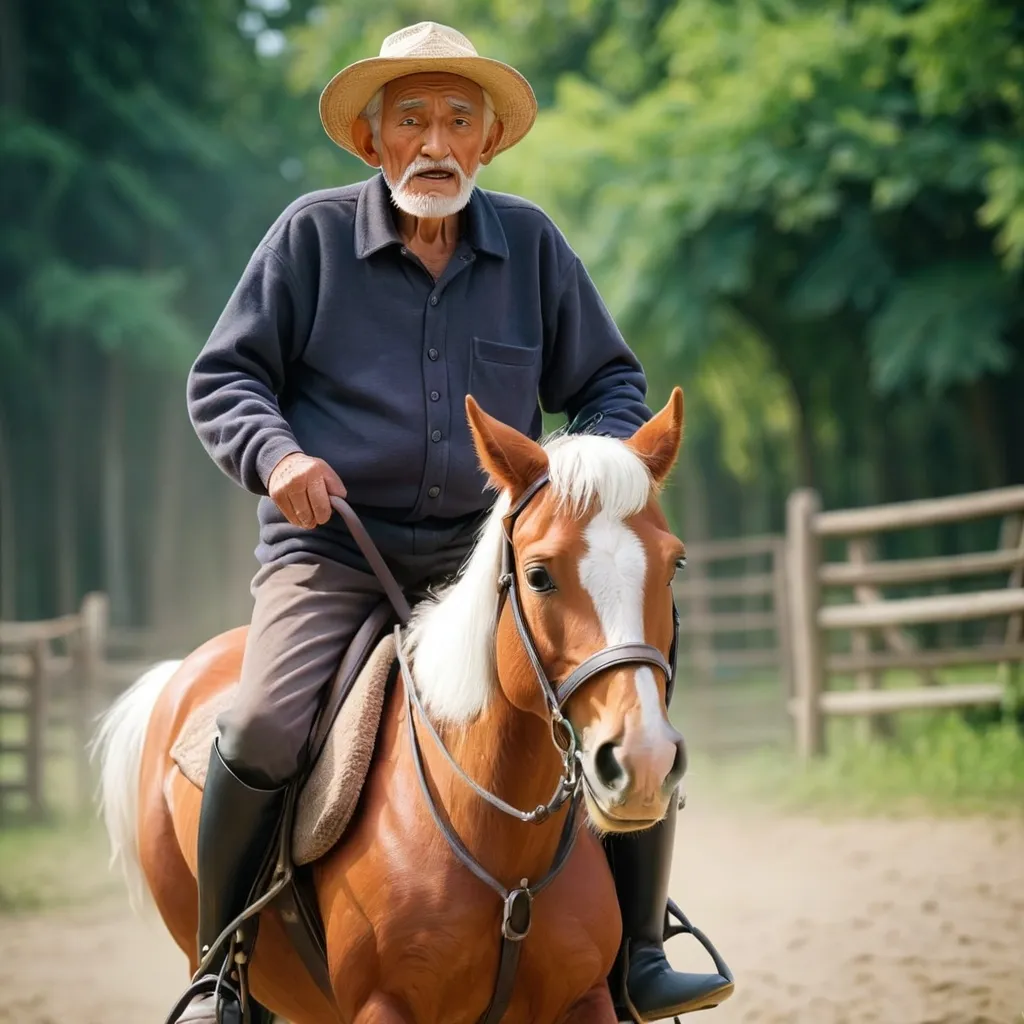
pixel 686 928
pixel 210 985
pixel 683 927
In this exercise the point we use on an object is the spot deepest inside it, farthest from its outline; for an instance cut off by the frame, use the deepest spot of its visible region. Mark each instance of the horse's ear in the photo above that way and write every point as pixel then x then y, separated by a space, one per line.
pixel 658 441
pixel 512 460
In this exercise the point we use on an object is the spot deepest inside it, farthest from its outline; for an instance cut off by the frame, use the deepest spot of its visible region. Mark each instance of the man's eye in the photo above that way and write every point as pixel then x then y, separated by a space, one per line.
pixel 539 579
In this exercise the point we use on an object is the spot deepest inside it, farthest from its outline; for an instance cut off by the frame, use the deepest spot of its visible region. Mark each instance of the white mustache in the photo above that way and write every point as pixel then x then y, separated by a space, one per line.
pixel 422 163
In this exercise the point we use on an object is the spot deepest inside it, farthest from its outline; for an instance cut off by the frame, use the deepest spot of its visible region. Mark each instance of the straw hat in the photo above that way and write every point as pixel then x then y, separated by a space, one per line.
pixel 426 46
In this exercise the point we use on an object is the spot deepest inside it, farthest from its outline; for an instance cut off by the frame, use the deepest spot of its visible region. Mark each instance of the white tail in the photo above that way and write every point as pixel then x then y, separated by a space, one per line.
pixel 118 743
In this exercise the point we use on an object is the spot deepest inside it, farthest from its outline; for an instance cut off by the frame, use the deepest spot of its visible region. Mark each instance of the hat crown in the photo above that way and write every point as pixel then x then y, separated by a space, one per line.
pixel 427 39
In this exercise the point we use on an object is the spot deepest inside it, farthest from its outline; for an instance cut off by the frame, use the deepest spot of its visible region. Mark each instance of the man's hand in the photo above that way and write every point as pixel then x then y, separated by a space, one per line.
pixel 301 487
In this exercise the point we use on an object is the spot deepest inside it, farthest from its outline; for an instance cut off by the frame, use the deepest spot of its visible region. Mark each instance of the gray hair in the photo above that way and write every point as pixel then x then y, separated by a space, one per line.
pixel 374 109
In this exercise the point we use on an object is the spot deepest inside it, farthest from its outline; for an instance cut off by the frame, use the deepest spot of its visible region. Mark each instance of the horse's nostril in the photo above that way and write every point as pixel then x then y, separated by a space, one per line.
pixel 609 769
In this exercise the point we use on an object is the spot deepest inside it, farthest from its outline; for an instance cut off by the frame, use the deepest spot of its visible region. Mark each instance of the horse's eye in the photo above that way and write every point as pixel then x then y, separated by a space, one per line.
pixel 680 565
pixel 538 579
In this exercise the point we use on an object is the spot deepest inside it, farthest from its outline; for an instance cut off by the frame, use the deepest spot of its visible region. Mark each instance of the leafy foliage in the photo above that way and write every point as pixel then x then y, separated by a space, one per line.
pixel 810 214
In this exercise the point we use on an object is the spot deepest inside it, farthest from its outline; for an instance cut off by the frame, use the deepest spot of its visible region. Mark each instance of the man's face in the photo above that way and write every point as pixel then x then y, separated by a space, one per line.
pixel 432 142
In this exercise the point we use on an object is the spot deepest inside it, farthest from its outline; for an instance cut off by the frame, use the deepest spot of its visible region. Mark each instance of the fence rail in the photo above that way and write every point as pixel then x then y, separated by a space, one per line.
pixel 814 620
pixel 733 622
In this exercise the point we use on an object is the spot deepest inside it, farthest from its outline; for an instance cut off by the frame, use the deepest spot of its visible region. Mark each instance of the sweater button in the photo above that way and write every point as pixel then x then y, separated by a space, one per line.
pixel 434 492
pixel 433 300
pixel 436 435
pixel 435 396
pixel 432 354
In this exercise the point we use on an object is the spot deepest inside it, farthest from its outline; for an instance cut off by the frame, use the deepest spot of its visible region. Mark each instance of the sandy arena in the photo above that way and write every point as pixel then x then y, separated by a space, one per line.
pixel 837 922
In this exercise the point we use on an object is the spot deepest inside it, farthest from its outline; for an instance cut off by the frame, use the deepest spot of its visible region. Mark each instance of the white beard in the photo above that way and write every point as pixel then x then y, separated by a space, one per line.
pixel 416 204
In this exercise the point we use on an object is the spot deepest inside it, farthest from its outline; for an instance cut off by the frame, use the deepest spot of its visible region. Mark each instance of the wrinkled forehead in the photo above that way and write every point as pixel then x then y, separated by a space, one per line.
pixel 418 90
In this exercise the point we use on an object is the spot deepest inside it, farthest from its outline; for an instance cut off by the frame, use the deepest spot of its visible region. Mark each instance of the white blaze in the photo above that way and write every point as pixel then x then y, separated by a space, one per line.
pixel 612 572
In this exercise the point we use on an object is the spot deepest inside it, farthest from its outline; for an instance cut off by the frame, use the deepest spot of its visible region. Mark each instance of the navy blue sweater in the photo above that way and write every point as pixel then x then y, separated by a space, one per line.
pixel 338 343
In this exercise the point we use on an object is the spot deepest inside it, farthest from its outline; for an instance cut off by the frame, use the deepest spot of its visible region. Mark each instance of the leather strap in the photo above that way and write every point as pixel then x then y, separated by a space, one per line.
pixel 515 925
pixel 456 844
pixel 617 654
pixel 563 791
pixel 523 629
pixel 373 556
pixel 344 679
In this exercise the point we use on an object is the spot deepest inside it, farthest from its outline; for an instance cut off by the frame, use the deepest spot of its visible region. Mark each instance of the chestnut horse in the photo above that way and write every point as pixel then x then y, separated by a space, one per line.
pixel 412 935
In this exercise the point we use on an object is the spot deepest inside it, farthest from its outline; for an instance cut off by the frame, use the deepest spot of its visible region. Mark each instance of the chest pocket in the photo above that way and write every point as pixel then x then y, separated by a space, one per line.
pixel 504 380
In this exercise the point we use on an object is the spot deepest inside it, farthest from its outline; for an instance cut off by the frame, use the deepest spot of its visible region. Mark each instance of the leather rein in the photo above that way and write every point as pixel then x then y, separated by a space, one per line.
pixel 518 902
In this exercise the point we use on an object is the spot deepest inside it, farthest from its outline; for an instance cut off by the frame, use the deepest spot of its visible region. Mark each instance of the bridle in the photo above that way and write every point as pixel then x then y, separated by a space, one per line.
pixel 518 902
pixel 558 694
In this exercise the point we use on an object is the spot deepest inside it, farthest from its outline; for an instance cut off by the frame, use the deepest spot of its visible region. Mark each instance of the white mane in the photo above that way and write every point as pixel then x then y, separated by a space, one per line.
pixel 451 636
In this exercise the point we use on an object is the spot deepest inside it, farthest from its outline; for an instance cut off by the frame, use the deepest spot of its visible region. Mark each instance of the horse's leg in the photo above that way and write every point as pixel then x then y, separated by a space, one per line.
pixel 381 1009
pixel 596 1007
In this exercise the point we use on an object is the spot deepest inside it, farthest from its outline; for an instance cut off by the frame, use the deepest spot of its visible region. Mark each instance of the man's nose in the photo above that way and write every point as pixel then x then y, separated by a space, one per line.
pixel 435 145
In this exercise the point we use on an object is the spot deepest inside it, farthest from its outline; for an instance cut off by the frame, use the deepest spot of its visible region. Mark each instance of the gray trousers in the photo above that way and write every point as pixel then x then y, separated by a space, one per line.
pixel 305 615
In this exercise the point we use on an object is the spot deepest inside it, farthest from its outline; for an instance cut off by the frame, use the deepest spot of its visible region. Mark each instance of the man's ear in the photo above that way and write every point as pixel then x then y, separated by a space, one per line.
pixel 362 137
pixel 494 138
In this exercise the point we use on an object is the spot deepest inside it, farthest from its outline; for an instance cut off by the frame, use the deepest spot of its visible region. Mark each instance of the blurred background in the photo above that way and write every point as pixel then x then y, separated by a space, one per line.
pixel 808 214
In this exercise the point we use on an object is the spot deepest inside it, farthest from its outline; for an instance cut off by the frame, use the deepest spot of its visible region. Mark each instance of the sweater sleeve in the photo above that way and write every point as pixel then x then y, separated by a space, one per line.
pixel 590 373
pixel 234 384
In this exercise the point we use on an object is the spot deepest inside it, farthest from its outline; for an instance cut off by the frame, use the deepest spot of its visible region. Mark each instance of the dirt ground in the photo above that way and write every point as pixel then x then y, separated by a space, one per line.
pixel 887 922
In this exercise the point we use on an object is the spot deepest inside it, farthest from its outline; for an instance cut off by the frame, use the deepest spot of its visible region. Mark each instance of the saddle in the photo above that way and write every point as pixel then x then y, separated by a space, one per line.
pixel 330 792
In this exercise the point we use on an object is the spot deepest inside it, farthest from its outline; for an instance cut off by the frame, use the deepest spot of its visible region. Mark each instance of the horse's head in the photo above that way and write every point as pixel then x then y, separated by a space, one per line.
pixel 593 562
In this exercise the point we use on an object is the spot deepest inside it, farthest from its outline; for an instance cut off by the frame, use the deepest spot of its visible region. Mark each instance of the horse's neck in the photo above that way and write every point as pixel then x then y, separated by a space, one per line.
pixel 510 753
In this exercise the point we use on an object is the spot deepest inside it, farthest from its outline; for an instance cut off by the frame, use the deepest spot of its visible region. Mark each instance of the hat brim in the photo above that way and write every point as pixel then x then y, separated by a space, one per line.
pixel 347 93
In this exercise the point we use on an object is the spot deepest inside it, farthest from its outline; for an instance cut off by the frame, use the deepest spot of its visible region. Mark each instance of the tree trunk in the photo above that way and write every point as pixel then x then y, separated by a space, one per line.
pixel 115 533
pixel 65 484
pixel 987 442
pixel 8 536
pixel 12 56
pixel 695 521
pixel 164 578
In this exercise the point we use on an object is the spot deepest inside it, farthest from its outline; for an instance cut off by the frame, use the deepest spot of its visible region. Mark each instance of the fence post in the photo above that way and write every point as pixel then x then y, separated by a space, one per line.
pixel 780 604
pixel 88 657
pixel 803 556
pixel 35 729
pixel 1006 673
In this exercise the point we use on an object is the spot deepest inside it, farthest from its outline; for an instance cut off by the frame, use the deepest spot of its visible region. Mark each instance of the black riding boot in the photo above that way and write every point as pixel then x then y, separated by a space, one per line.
pixel 644 985
pixel 237 825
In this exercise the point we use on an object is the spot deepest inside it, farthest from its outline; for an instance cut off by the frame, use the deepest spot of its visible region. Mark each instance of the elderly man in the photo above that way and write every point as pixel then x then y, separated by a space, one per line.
pixel 340 367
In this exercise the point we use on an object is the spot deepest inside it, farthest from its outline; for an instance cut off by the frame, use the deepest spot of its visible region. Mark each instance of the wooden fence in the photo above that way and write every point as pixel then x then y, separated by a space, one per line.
pixel 48 677
pixel 56 675
pixel 816 621
pixel 735 643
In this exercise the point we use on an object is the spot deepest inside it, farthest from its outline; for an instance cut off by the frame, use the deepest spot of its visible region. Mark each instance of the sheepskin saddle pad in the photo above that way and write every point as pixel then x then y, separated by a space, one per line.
pixel 329 798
